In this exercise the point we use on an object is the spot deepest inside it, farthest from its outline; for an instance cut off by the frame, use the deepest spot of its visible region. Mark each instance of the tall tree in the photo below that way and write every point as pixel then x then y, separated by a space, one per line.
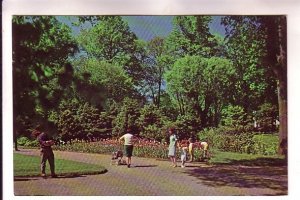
pixel 200 84
pixel 191 36
pixel 276 30
pixel 108 79
pixel 41 48
pixel 155 65
pixel 111 40
pixel 246 47
pixel 273 30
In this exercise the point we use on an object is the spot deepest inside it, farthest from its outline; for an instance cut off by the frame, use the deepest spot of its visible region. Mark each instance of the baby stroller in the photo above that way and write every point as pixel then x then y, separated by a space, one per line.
pixel 117 158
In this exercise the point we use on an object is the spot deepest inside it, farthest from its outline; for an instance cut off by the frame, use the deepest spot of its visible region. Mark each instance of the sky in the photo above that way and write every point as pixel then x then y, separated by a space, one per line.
pixel 147 27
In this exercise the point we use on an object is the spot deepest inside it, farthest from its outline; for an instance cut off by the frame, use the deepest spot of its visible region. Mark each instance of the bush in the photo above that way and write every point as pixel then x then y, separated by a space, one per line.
pixel 126 118
pixel 22 141
pixel 248 142
pixel 266 144
pixel 26 142
pixel 266 117
pixel 151 122
pixel 32 143
pixel 79 120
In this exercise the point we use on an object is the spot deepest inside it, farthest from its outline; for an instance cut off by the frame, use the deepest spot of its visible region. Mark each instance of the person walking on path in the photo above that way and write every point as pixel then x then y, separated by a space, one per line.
pixel 46 152
pixel 128 146
pixel 172 147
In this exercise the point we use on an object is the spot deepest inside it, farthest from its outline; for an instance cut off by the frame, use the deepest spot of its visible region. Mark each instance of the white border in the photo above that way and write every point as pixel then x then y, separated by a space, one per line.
pixel 154 7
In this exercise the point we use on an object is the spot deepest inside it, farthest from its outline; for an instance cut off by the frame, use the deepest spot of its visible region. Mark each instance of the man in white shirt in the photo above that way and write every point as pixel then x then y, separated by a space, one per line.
pixel 128 146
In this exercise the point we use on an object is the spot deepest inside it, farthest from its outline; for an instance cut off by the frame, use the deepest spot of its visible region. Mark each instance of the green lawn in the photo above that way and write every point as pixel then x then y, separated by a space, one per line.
pixel 25 165
pixel 219 157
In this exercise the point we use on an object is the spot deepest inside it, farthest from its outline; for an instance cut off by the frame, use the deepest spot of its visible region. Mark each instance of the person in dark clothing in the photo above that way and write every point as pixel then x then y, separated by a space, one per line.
pixel 46 152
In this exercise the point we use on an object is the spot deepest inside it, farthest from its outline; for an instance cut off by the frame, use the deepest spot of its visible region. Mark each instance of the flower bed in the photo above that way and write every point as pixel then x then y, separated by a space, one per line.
pixel 142 148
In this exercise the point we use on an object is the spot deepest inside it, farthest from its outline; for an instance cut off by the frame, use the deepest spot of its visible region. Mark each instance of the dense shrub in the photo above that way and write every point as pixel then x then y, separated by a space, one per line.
pixel 251 143
pixel 266 144
pixel 151 122
pixel 266 117
pixel 79 120
pixel 32 143
pixel 126 118
pixel 23 140
pixel 187 125
pixel 26 142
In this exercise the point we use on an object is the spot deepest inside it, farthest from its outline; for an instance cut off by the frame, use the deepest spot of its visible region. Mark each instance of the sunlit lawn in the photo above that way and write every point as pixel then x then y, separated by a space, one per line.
pixel 219 157
pixel 25 165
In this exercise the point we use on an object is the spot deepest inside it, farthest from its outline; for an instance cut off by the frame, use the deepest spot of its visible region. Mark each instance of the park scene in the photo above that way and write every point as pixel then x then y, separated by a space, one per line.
pixel 200 100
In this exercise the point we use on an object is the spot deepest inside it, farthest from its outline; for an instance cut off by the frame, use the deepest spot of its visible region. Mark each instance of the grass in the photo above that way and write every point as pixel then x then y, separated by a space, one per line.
pixel 220 157
pixel 25 165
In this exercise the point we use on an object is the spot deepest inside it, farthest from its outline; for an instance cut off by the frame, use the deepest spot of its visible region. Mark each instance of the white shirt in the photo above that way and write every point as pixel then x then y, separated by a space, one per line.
pixel 128 139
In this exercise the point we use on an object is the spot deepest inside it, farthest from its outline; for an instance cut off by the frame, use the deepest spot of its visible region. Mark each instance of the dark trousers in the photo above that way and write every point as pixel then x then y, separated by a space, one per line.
pixel 47 154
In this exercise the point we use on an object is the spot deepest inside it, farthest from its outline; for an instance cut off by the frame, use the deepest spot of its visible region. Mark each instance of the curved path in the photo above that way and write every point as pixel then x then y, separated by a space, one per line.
pixel 151 177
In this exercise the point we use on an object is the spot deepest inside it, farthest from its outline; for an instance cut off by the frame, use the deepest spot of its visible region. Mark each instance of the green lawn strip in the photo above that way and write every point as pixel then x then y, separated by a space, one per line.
pixel 25 165
pixel 220 157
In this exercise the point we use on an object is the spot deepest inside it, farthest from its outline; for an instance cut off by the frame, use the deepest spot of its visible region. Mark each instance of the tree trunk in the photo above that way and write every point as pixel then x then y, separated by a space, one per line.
pixel 283 128
pixel 158 95
pixel 15 141
pixel 281 72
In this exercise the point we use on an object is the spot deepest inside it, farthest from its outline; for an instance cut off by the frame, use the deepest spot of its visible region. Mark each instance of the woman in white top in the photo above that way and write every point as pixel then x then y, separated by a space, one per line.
pixel 128 146
pixel 172 147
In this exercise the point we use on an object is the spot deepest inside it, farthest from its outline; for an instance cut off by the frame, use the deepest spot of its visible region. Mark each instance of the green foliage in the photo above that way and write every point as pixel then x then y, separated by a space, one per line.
pixel 112 40
pixel 255 80
pixel 200 84
pixel 79 120
pixel 187 125
pixel 127 117
pixel 154 65
pixel 233 116
pixel 265 144
pixel 110 79
pixel 250 143
pixel 191 36
pixel 266 117
pixel 41 49
pixel 151 122
pixel 26 142
pixel 23 140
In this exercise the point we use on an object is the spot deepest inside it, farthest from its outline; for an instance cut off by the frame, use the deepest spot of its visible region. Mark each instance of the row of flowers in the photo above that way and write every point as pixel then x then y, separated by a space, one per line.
pixel 142 148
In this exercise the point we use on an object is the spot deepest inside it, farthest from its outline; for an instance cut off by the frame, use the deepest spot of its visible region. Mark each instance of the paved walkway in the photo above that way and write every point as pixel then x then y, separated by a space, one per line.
pixel 151 177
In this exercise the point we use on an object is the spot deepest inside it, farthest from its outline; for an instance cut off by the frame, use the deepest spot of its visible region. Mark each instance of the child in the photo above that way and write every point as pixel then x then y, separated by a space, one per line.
pixel 117 157
pixel 183 156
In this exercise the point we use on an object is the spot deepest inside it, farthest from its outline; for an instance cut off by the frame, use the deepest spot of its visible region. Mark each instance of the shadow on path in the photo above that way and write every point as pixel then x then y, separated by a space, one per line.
pixel 145 166
pixel 32 178
pixel 259 173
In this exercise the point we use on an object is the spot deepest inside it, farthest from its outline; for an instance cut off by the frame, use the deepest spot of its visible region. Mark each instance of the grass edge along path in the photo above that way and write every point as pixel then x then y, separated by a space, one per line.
pixel 29 166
